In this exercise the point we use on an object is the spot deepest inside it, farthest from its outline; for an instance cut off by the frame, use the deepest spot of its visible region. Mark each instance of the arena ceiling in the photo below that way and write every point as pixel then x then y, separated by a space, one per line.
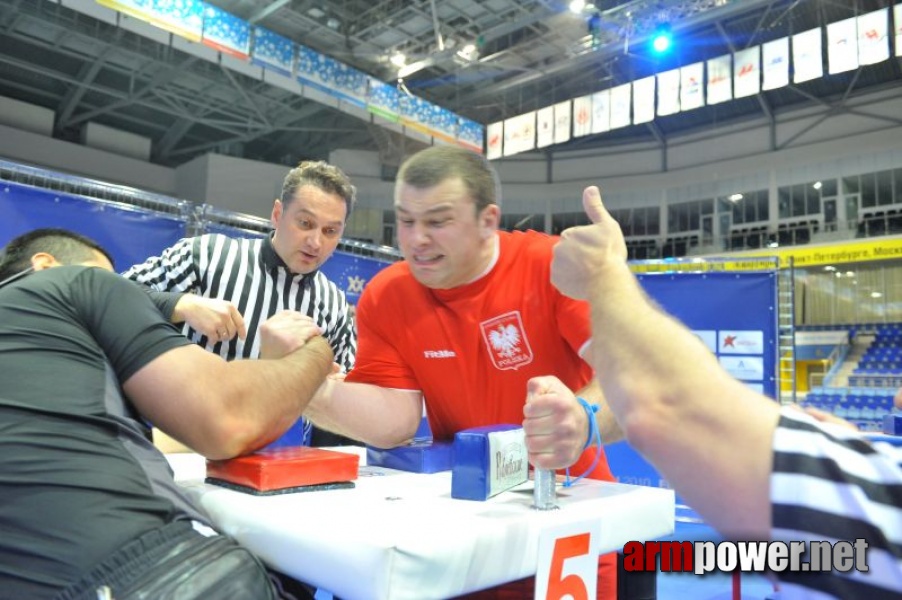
pixel 529 54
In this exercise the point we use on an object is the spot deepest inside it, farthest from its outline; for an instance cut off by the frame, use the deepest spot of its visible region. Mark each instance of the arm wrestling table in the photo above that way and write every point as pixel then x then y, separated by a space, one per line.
pixel 400 535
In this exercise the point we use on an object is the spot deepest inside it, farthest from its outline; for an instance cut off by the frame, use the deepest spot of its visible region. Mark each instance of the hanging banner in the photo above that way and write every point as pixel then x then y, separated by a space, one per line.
pixel 807 55
pixel 272 51
pixel 873 37
pixel 601 111
pixel 544 127
pixel 184 18
pixel 495 140
pixel 775 56
pixel 747 72
pixel 383 99
pixel 582 116
pixel 620 105
pixel 470 134
pixel 644 100
pixel 226 33
pixel 842 45
pixel 720 79
pixel 562 122
pixel 691 77
pixel 668 92
pixel 520 133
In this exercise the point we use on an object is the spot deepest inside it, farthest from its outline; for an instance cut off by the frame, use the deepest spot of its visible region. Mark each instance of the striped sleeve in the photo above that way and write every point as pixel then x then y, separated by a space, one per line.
pixel 830 484
pixel 174 270
pixel 332 311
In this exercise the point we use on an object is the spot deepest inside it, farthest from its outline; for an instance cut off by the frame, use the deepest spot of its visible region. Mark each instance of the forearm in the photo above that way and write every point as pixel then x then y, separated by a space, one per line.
pixel 377 416
pixel 708 434
pixel 270 395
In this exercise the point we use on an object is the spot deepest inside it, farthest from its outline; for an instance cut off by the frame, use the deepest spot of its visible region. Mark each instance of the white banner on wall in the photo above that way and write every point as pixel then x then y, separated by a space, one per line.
pixel 668 92
pixel 842 45
pixel 691 78
pixel 747 72
pixel 720 79
pixel 873 37
pixel 620 105
pixel 601 111
pixel 807 55
pixel 897 27
pixel 775 58
pixel 520 133
pixel 544 126
pixel 494 140
pixel 582 116
pixel 644 100
pixel 562 122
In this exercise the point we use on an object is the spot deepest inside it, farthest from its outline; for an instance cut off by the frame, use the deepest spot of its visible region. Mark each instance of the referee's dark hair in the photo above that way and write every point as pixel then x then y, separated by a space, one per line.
pixel 65 246
pixel 324 176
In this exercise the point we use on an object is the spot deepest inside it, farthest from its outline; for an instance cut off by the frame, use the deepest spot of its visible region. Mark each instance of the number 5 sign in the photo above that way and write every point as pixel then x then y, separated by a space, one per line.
pixel 567 562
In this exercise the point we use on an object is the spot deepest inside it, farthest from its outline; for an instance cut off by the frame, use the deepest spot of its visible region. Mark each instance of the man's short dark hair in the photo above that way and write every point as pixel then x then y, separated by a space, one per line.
pixel 65 246
pixel 322 175
pixel 432 166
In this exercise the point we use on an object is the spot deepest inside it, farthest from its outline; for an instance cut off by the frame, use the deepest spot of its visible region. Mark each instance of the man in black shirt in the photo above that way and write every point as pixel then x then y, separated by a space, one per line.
pixel 86 360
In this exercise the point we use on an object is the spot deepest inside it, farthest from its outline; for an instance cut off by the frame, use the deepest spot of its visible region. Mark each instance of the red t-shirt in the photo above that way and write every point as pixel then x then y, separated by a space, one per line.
pixel 472 349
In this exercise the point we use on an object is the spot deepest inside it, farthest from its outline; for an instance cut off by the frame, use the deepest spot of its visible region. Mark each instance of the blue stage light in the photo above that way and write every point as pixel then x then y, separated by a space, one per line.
pixel 662 38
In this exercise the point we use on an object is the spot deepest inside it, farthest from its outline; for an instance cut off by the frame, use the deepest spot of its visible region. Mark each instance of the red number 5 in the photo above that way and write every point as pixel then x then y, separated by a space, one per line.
pixel 572 585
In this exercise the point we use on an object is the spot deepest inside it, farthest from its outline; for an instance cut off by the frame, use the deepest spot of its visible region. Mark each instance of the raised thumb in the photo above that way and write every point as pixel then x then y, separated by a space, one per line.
pixel 592 204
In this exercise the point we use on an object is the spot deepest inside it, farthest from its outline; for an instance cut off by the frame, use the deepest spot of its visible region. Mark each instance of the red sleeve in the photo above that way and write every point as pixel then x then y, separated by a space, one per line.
pixel 378 360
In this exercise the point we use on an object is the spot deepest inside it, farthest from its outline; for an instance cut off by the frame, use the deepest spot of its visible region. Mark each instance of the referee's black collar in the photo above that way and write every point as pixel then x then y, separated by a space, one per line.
pixel 273 262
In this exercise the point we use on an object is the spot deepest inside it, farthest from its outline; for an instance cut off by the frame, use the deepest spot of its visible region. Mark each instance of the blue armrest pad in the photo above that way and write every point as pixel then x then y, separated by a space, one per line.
pixel 892 424
pixel 418 457
pixel 488 461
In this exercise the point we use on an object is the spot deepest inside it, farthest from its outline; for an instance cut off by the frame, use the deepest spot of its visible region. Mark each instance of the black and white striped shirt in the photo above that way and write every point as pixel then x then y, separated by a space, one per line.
pixel 249 273
pixel 829 484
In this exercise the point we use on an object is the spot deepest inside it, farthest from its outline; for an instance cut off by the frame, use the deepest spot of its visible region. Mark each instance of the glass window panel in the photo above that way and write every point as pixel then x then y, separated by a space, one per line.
pixel 850 185
pixel 868 190
pixel 798 200
pixel 884 188
pixel 763 208
pixel 784 202
pixel 828 187
pixel 814 202
pixel 652 219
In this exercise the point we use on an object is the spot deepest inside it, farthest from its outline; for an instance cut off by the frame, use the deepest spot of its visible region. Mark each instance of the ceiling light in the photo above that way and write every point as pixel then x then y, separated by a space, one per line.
pixel 414 67
pixel 468 52
pixel 398 59
pixel 577 6
pixel 735 197
pixel 829 268
pixel 817 185
pixel 662 38
pixel 876 295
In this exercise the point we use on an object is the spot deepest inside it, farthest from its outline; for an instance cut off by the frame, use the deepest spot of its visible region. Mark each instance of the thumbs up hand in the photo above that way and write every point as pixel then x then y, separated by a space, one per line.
pixel 583 253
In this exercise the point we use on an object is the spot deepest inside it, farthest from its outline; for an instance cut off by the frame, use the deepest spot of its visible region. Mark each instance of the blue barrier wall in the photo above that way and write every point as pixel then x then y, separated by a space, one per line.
pixel 129 234
pixel 132 233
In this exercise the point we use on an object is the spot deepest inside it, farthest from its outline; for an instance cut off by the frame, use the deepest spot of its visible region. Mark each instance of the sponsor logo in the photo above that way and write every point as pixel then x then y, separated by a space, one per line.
pixel 439 354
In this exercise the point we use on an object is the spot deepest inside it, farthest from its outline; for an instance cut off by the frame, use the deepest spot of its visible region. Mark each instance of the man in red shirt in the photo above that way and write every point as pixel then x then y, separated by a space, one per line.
pixel 467 322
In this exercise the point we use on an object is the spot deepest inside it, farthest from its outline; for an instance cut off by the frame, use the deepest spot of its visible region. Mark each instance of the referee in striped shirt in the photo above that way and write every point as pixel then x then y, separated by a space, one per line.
pixel 233 285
